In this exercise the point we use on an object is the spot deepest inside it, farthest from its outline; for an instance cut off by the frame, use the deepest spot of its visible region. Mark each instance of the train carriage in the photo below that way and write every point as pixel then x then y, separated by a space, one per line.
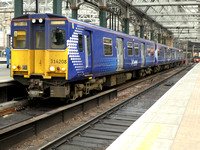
pixel 59 57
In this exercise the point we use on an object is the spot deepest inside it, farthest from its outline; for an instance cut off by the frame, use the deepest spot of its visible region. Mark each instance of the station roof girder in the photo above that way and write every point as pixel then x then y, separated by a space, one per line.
pixel 185 3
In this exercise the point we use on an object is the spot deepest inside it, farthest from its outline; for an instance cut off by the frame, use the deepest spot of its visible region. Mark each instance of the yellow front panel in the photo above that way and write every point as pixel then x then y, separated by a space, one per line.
pixel 39 62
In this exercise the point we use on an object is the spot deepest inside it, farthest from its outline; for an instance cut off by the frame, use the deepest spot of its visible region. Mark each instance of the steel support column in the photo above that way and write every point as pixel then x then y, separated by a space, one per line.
pixel 152 35
pixel 74 12
pixel 164 40
pixel 136 30
pixel 159 37
pixel 126 21
pixel 126 25
pixel 102 16
pixel 141 31
pixel 136 33
pixel 57 7
pixel 18 8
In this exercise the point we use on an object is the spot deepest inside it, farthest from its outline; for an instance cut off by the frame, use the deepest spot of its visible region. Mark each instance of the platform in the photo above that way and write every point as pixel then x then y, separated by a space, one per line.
pixel 5 74
pixel 3 60
pixel 172 123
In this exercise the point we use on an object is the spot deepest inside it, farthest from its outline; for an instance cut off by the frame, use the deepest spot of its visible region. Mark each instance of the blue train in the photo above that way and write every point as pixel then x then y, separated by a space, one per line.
pixel 55 56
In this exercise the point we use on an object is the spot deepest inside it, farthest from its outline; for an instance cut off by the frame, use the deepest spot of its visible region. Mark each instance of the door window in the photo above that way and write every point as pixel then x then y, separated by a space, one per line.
pixel 148 50
pixel 136 46
pixel 152 51
pixel 40 40
pixel 80 42
pixel 88 44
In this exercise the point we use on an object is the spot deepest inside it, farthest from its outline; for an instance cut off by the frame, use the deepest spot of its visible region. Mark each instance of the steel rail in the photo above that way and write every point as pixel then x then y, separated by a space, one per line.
pixel 66 137
pixel 16 133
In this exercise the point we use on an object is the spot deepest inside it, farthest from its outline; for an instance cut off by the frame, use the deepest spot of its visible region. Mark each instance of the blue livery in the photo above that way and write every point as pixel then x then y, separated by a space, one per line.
pixel 78 57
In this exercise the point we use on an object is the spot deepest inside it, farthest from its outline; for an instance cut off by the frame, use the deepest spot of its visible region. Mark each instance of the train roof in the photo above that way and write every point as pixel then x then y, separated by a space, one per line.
pixel 48 15
pixel 106 29
pixel 31 16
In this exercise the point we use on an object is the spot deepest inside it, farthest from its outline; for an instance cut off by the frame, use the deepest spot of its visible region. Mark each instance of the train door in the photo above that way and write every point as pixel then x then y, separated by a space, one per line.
pixel 165 55
pixel 38 48
pixel 120 53
pixel 88 52
pixel 156 53
pixel 143 54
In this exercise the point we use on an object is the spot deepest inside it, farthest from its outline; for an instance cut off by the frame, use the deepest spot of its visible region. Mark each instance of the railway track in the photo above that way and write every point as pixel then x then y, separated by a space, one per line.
pixel 101 131
pixel 35 125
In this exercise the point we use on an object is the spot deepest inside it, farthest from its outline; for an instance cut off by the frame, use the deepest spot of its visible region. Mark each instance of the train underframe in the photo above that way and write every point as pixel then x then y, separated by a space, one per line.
pixel 60 88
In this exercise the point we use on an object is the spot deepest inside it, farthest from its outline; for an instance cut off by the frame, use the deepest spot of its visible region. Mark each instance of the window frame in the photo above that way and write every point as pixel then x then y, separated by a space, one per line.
pixel 36 40
pixel 152 54
pixel 79 43
pixel 65 44
pixel 88 41
pixel 138 49
pixel 129 47
pixel 14 39
pixel 148 51
pixel 108 44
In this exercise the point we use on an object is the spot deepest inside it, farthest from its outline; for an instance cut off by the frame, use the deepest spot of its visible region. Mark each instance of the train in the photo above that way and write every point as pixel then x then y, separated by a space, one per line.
pixel 59 57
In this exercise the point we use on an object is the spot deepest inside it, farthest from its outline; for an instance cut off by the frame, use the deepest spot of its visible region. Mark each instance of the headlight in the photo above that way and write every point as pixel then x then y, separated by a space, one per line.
pixel 63 69
pixel 40 20
pixel 52 68
pixel 14 67
pixel 33 20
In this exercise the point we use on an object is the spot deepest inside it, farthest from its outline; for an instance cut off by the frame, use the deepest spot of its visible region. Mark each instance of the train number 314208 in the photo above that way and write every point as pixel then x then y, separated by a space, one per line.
pixel 58 61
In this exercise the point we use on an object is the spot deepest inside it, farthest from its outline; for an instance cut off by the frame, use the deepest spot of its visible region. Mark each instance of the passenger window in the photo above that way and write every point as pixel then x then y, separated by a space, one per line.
pixel 136 47
pixel 130 48
pixel 58 38
pixel 19 39
pixel 107 46
pixel 159 51
pixel 173 55
pixel 80 42
pixel 152 51
pixel 148 51
pixel 40 40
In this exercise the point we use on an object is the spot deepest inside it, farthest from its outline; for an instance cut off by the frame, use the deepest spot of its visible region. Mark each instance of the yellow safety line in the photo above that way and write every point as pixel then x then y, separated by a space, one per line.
pixel 150 138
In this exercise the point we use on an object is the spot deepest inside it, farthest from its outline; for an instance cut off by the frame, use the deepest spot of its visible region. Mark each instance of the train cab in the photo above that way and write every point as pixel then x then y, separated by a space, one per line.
pixel 39 49
pixel 31 39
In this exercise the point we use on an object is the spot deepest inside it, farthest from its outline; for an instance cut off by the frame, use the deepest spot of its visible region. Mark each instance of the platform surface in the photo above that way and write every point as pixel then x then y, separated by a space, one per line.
pixel 5 73
pixel 172 123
